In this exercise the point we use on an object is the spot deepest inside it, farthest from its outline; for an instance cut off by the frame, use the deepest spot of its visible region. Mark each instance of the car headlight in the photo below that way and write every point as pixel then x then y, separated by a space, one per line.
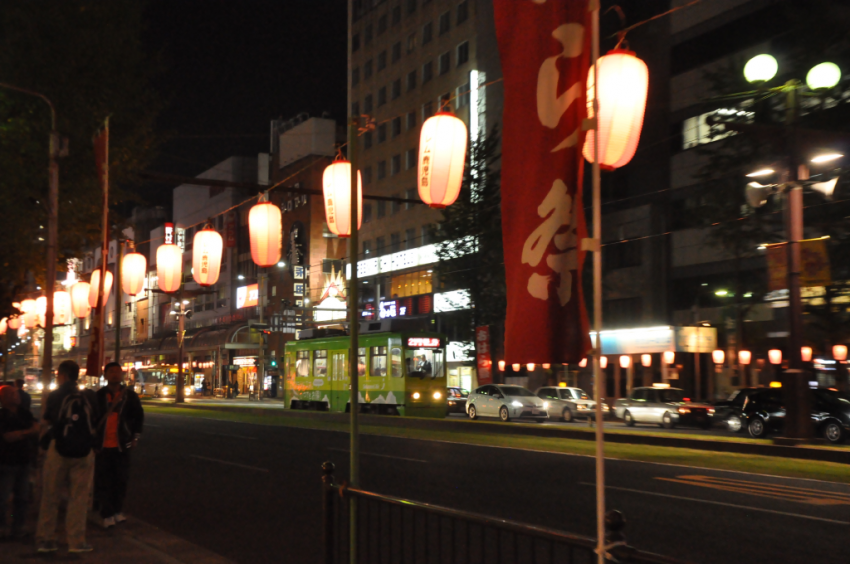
pixel 451 402
pixel 52 385
pixel 81 387
pixel 437 395
pixel 516 403
pixel 711 411
pixel 545 405
pixel 40 386
pixel 581 407
pixel 684 410
pixel 604 407
pixel 165 389
pixel 416 395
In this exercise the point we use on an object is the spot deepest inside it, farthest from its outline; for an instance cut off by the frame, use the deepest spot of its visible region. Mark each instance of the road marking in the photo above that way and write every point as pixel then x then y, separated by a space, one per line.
pixel 745 507
pixel 228 463
pixel 380 455
pixel 231 436
pixel 775 491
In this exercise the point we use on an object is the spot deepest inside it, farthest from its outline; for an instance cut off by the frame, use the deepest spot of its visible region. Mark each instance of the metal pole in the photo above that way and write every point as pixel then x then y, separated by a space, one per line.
pixel 261 359
pixel 598 376
pixel 179 397
pixel 104 255
pixel 118 293
pixel 353 327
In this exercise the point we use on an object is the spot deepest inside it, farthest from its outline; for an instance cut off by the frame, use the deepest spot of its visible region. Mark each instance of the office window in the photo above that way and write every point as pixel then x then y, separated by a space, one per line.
pixel 382 24
pixel 395 165
pixel 367 175
pixel 427 110
pixel 355 108
pixel 411 120
pixel 367 213
pixel 462 95
pixel 445 63
pixel 397 15
pixel 396 88
pixel 382 133
pixel 426 235
pixel 367 69
pixel 367 39
pixel 397 52
pixel 445 22
pixel 427 71
pixel 380 246
pixel 411 6
pixel 355 43
pixel 622 255
pixel 394 207
pixel 382 60
pixel 382 96
pixel 410 238
pixel 463 53
pixel 355 76
pixel 367 141
pixel 395 242
pixel 382 173
pixel 367 104
pixel 367 246
pixel 396 125
pixel 410 194
pixel 410 159
pixel 462 12
pixel 411 42
pixel 427 33
pixel 382 208
pixel 411 80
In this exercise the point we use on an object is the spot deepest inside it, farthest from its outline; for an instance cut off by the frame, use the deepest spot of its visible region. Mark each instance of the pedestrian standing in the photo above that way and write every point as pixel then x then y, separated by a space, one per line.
pixel 26 399
pixel 117 435
pixel 18 430
pixel 71 415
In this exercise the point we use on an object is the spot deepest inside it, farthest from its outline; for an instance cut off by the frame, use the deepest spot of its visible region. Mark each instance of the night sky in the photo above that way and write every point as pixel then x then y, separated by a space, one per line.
pixel 229 67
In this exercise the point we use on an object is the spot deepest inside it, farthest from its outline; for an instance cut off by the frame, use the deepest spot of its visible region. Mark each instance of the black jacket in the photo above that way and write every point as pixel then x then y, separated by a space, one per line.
pixel 131 417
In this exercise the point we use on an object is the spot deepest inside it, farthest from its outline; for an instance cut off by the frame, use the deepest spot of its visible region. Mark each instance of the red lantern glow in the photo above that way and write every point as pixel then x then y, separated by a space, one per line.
pixel 516 366
pixel 583 363
pixel 442 152
pixel 206 256
pixel 625 361
pixel 169 267
pixel 806 354
pixel 623 85
pixel 546 366
pixel 775 356
pixel 718 356
pixel 745 357
pixel 107 287
pixel 839 352
pixel 61 307
pixel 530 367
pixel 3 325
pixel 336 186
pixel 14 323
pixel 134 267
pixel 264 224
pixel 502 365
pixel 80 299
pixel 646 360
pixel 669 357
pixel 603 362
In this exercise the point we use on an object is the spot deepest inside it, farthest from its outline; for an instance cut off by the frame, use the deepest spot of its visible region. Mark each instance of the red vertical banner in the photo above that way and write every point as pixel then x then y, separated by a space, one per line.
pixel 482 355
pixel 545 54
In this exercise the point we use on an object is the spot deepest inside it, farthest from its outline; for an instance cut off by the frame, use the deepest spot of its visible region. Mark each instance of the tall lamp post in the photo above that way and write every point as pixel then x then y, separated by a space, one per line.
pixel 52 218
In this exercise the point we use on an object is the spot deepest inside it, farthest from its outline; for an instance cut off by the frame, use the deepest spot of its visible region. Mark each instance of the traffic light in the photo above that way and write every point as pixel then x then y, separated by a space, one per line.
pixel 273 363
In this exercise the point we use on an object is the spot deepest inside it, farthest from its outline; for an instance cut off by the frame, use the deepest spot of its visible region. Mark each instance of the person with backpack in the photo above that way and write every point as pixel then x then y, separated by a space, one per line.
pixel 18 430
pixel 118 434
pixel 71 415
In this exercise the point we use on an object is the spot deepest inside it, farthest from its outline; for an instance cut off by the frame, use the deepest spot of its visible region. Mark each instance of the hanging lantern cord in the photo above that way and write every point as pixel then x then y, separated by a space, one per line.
pixel 446 105
pixel 621 35
pixel 131 246
pixel 209 224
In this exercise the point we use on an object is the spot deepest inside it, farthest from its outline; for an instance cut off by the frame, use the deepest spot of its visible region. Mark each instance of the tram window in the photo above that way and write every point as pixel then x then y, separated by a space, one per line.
pixel 302 365
pixel 395 358
pixel 379 361
pixel 320 364
pixel 361 361
pixel 424 362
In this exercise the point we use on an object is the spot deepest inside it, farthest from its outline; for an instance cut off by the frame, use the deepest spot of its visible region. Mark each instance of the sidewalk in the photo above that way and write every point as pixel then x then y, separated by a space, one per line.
pixel 241 401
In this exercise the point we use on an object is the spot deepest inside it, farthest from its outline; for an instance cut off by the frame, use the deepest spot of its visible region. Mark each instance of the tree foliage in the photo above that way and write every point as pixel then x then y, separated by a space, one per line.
pixel 87 58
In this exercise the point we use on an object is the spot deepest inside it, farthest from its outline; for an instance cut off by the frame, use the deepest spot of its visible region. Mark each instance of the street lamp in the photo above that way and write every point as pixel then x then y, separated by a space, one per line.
pixel 760 69
pixel 823 76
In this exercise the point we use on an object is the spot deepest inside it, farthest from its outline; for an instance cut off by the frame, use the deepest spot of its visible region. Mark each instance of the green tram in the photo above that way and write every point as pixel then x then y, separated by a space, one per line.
pixel 400 373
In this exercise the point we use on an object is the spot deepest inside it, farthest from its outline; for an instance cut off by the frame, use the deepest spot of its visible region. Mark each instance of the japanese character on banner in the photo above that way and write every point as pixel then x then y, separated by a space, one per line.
pixel 550 106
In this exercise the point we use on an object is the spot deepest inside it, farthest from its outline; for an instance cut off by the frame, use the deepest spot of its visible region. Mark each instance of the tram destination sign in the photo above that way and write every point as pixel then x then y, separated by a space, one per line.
pixel 423 342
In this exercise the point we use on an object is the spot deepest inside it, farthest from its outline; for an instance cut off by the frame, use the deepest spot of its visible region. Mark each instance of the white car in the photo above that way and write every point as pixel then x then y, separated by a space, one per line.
pixel 570 403
pixel 506 403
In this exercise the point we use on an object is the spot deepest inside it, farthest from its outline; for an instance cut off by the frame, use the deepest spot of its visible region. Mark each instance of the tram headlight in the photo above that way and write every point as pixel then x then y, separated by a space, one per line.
pixel 165 390
pixel 437 395
pixel 416 395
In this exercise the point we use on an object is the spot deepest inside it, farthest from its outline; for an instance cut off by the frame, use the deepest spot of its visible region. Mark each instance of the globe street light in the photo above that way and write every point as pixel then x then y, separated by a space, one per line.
pixel 823 76
pixel 760 69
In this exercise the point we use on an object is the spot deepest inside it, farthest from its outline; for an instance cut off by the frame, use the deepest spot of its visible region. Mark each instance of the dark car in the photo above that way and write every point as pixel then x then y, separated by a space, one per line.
pixel 456 400
pixel 728 412
pixel 764 413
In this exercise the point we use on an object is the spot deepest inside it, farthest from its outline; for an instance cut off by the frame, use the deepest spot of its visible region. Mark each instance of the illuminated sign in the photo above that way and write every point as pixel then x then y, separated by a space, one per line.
pixel 388 309
pixel 247 296
pixel 245 361
pixel 423 342
pixel 181 238
pixel 169 233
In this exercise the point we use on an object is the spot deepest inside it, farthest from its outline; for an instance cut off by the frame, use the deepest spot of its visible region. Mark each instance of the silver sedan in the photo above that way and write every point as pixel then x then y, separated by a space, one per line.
pixel 570 403
pixel 506 403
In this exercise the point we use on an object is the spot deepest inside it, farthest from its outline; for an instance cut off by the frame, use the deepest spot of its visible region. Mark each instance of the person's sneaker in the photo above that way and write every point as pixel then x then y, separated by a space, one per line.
pixel 85 547
pixel 46 546
pixel 119 518
pixel 108 522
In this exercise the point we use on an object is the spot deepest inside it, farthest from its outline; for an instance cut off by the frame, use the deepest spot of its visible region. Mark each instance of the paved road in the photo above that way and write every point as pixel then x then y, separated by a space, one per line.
pixel 252 493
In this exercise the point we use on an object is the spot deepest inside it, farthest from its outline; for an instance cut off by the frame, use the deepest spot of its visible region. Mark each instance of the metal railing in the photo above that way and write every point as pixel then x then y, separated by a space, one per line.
pixel 395 530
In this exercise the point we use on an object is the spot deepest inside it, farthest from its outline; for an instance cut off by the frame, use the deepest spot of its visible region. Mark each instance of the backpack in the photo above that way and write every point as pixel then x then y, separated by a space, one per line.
pixel 73 431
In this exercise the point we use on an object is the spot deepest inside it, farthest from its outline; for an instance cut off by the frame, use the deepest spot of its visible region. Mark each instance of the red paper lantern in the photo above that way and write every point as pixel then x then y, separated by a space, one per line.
pixel 530 367
pixel 646 360
pixel 623 85
pixel 669 357
pixel 107 287
pixel 775 356
pixel 806 354
pixel 516 366
pixel 14 323
pixel 3 325
pixel 603 362
pixel 134 267
pixel 336 186
pixel 264 225
pixel 546 366
pixel 206 256
pixel 30 317
pixel 839 352
pixel 502 365
pixel 625 361
pixel 583 363
pixel 718 356
pixel 61 307
pixel 169 267
pixel 80 299
pixel 442 152
pixel 745 357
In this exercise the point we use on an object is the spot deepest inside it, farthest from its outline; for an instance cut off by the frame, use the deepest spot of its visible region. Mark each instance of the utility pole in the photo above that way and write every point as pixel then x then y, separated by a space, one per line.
pixel 118 293
pixel 261 359
pixel 179 397
pixel 353 328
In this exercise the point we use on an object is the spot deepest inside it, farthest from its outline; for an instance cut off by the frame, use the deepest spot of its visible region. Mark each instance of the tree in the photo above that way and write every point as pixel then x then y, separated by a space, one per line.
pixel 470 239
pixel 86 57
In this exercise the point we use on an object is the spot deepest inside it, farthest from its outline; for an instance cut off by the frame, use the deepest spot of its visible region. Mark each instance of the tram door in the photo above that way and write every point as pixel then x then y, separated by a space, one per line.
pixel 339 381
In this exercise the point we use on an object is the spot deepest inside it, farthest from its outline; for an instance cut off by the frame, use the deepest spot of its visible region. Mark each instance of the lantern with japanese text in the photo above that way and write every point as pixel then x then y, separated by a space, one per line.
pixel 94 288
pixel 806 354
pixel 134 267
pixel 264 226
pixel 669 357
pixel 718 356
pixel 775 356
pixel 442 152
pixel 206 256
pixel 839 352
pixel 61 307
pixel 623 84
pixel 646 360
pixel 80 299
pixel 169 267
pixel 336 187
pixel 745 357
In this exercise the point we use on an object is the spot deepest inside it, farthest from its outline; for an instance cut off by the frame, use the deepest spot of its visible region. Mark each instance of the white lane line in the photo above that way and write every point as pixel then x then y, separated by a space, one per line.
pixel 381 455
pixel 746 507
pixel 231 436
pixel 229 463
